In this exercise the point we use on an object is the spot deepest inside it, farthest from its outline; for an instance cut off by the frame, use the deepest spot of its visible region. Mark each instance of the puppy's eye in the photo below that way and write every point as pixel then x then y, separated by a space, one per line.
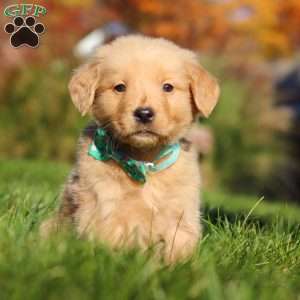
pixel 120 88
pixel 167 87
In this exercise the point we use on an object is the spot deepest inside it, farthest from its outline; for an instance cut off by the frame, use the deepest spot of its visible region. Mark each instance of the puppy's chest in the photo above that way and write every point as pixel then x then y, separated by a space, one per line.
pixel 166 191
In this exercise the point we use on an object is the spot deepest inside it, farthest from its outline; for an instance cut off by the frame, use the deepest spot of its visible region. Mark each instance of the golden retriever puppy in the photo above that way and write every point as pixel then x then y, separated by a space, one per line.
pixel 136 181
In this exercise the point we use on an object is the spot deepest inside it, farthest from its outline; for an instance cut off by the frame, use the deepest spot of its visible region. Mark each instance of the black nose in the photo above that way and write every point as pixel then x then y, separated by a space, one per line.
pixel 144 114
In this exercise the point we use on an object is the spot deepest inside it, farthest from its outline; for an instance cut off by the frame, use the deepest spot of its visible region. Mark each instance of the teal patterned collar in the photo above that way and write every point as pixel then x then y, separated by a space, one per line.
pixel 102 149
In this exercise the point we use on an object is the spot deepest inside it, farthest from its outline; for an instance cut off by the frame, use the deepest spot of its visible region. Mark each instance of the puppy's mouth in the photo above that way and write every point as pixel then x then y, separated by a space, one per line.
pixel 144 133
pixel 144 139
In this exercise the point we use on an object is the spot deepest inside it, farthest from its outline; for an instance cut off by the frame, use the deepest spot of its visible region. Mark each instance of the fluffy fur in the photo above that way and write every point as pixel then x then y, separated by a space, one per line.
pixel 100 200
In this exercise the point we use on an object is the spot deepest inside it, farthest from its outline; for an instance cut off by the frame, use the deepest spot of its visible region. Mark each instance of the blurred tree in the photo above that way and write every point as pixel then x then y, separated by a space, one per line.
pixel 195 24
pixel 263 28
pixel 254 28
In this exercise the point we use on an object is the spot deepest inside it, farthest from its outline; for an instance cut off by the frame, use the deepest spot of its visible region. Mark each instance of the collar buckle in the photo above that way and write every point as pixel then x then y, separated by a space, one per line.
pixel 149 165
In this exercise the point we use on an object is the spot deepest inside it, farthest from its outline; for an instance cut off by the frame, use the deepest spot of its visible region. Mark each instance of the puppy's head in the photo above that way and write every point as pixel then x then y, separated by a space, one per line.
pixel 146 91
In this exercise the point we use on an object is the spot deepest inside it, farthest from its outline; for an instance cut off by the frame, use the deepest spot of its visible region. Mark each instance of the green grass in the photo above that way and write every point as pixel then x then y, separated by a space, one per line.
pixel 253 257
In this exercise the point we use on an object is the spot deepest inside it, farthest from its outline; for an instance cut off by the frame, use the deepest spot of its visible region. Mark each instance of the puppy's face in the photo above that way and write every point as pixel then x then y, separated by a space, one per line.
pixel 145 91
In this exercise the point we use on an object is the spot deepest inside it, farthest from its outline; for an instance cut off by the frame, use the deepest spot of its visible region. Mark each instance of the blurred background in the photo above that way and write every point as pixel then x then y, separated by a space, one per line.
pixel 250 145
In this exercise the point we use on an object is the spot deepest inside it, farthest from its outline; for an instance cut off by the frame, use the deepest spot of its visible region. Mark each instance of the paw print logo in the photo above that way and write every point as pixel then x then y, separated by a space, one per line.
pixel 24 32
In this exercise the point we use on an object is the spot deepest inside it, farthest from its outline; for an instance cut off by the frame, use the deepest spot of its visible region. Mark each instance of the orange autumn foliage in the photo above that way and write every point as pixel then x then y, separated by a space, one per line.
pixel 268 28
pixel 257 28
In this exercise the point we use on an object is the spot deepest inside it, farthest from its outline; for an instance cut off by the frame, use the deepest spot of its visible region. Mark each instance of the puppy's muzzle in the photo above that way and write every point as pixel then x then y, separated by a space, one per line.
pixel 144 115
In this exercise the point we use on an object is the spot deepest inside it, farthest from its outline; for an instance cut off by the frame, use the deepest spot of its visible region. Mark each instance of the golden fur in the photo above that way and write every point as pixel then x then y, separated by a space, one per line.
pixel 100 199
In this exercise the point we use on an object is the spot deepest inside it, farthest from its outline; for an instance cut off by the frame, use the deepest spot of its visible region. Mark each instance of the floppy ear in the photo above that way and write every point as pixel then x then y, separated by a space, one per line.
pixel 204 89
pixel 83 85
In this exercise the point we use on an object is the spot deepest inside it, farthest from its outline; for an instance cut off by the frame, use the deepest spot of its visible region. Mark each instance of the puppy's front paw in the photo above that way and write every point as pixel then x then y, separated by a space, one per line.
pixel 49 226
pixel 181 246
